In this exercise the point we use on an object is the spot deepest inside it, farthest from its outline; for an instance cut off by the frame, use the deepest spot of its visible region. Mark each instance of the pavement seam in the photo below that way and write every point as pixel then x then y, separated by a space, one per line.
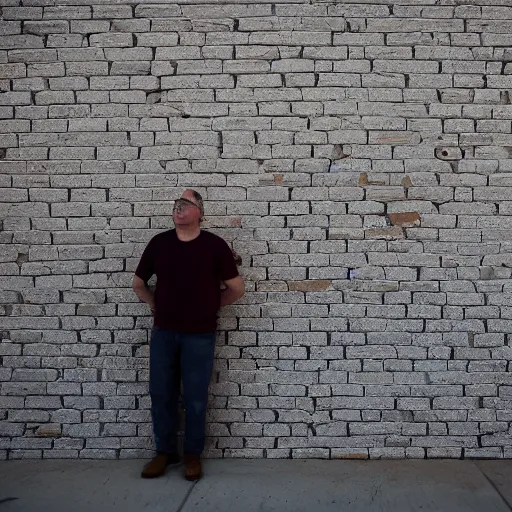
pixel 493 486
pixel 186 497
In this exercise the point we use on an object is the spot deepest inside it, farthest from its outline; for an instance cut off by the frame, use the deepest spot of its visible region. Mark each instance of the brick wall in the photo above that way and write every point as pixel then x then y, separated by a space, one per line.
pixel 357 155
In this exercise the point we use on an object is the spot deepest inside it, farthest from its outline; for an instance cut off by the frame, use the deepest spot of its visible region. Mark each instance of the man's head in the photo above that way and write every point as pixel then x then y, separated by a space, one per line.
pixel 188 211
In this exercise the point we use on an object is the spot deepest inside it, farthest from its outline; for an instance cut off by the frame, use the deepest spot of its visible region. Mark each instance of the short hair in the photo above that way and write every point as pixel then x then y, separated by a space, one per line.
pixel 199 198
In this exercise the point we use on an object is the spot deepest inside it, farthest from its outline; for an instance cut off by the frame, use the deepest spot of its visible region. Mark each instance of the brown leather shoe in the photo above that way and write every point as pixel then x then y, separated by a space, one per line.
pixel 193 469
pixel 157 466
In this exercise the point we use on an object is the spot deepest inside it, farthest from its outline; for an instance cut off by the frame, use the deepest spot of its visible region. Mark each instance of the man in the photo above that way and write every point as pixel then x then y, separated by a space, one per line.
pixel 190 265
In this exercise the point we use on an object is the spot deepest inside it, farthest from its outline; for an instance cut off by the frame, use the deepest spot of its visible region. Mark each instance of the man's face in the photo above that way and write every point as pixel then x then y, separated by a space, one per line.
pixel 186 211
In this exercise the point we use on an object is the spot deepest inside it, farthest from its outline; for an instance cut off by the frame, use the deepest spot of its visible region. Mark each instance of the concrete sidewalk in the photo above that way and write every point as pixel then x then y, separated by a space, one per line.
pixel 260 485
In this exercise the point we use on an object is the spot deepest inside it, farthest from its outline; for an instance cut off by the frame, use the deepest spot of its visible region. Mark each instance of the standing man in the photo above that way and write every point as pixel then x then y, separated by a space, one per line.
pixel 190 265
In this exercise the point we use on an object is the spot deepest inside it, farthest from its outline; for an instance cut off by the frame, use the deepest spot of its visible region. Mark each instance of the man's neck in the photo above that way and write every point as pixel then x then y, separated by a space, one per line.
pixel 187 233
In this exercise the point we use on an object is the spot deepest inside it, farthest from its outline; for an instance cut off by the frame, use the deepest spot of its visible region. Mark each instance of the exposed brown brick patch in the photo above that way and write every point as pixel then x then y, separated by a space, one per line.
pixel 364 180
pixel 350 456
pixel 272 286
pixel 406 182
pixel 236 222
pixel 278 179
pixel 313 285
pixel 390 233
pixel 408 219
pixel 395 137
pixel 51 430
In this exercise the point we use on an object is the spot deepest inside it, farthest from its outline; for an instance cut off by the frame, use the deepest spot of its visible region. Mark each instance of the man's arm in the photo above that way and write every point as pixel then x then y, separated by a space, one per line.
pixel 235 288
pixel 143 292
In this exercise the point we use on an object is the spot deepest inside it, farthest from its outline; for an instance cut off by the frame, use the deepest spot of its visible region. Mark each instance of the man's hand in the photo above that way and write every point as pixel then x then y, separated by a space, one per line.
pixel 143 292
pixel 235 288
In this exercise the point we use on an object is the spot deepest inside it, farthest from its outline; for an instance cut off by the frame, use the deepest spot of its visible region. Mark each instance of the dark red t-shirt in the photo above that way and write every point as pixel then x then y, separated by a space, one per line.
pixel 187 295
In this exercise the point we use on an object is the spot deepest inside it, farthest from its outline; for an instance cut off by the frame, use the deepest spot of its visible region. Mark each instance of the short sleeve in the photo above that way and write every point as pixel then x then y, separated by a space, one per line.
pixel 227 264
pixel 146 267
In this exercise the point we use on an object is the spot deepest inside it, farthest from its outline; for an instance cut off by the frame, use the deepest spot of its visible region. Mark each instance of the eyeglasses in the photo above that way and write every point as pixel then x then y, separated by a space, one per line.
pixel 183 204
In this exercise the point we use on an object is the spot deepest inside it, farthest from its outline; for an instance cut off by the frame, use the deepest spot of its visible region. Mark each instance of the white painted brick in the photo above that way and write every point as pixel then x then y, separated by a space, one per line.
pixel 306 133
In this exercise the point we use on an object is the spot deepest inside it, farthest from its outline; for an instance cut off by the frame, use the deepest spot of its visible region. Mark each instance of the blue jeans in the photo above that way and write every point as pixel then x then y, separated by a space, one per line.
pixel 175 357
